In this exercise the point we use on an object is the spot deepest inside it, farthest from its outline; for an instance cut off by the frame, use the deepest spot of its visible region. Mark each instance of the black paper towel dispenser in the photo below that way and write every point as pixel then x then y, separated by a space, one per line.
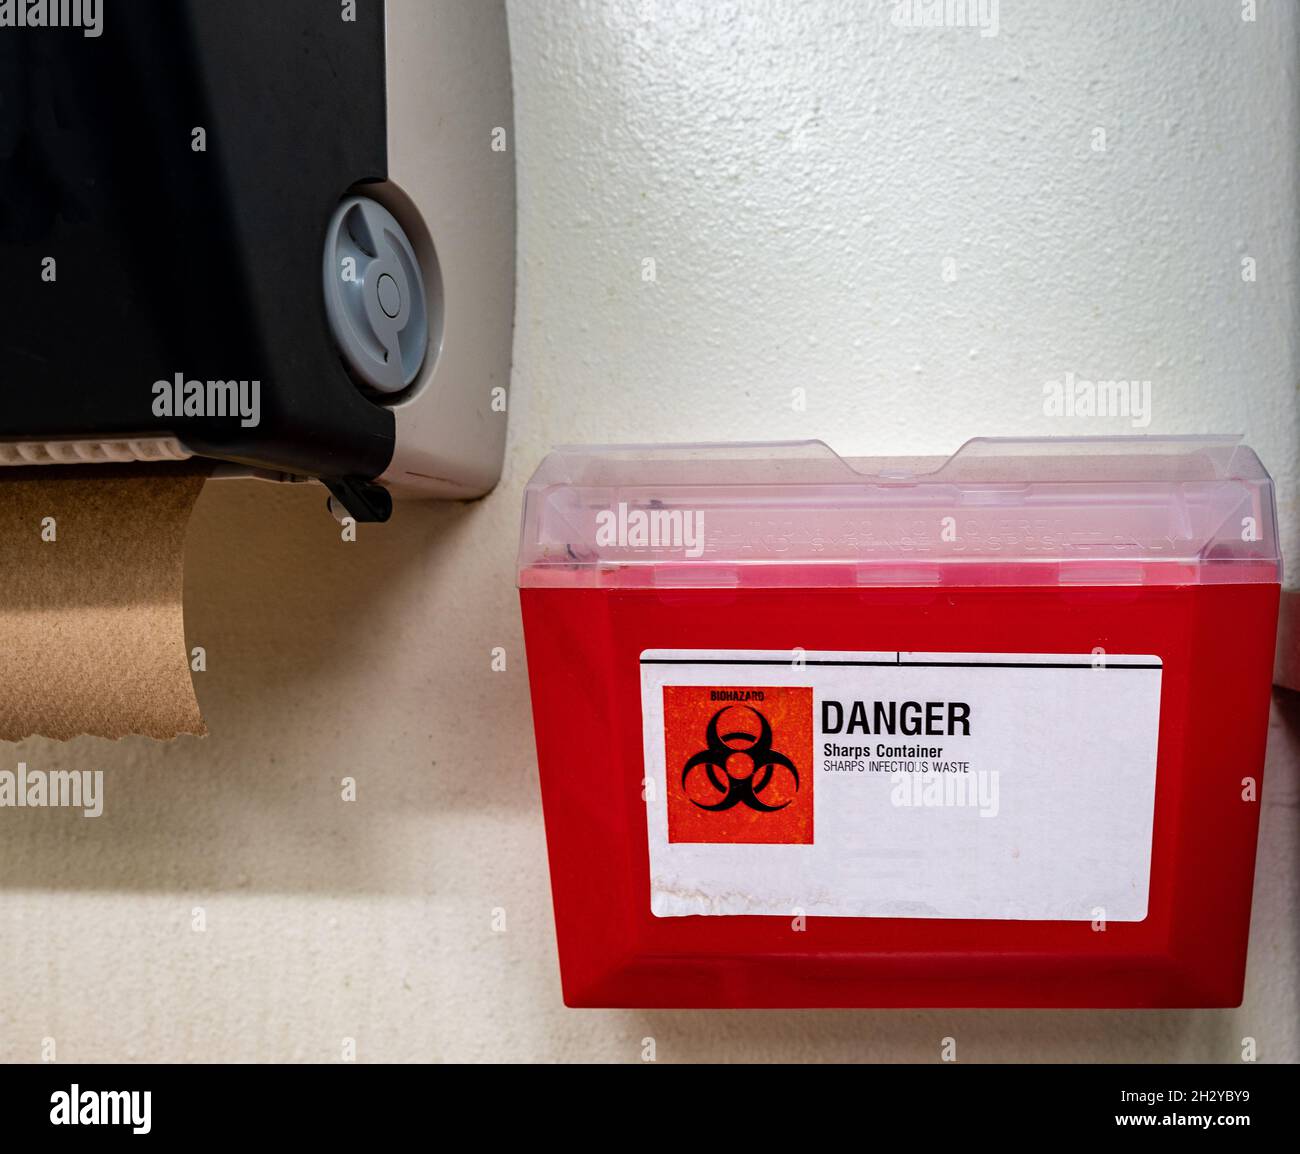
pixel 276 235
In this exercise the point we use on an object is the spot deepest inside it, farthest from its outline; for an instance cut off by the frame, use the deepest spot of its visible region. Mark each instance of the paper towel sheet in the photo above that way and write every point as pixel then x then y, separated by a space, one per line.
pixel 92 634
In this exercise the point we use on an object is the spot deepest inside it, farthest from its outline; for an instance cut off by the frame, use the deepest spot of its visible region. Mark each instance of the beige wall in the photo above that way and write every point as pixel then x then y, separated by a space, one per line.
pixel 799 173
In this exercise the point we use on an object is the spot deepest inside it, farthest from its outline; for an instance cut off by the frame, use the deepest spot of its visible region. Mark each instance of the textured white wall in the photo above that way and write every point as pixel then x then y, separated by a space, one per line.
pixel 799 172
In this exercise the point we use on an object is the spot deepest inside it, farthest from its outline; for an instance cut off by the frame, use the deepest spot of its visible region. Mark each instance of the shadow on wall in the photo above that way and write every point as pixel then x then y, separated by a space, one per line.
pixel 325 660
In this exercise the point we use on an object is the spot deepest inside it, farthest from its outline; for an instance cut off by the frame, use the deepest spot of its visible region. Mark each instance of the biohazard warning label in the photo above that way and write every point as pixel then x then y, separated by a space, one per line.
pixel 923 785
pixel 745 754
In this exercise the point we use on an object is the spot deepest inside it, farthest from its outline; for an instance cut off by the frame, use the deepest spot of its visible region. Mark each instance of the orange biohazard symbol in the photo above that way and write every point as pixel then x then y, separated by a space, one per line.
pixel 739 763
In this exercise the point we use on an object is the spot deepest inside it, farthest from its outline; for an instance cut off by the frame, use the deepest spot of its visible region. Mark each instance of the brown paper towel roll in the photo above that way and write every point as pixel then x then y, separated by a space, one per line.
pixel 92 636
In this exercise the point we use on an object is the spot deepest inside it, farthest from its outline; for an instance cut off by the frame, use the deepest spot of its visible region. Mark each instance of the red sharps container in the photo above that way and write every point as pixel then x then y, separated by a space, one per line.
pixel 983 731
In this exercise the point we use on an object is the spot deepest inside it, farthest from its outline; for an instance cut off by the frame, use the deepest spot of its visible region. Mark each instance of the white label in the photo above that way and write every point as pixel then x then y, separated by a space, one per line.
pixel 900 785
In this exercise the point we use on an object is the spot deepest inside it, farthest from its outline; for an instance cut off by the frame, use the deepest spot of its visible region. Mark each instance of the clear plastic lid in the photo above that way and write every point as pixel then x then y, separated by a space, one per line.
pixel 999 511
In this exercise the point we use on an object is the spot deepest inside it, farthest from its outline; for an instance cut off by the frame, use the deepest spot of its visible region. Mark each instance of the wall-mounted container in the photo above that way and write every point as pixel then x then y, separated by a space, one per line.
pixel 983 731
